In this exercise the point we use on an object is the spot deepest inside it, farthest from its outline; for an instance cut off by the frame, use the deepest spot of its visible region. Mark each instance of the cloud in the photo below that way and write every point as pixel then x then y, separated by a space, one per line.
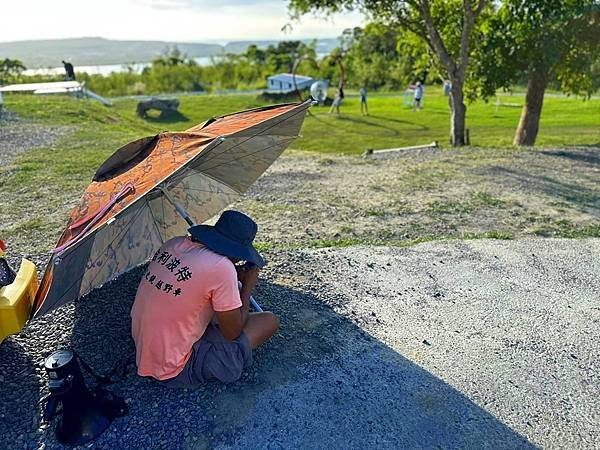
pixel 204 4
pixel 180 20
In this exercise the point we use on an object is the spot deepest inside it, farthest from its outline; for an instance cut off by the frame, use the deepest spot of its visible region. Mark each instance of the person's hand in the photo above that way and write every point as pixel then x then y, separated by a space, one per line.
pixel 248 276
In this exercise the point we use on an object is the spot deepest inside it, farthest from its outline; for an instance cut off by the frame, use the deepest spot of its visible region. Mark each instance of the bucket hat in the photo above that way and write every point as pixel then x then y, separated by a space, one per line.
pixel 231 236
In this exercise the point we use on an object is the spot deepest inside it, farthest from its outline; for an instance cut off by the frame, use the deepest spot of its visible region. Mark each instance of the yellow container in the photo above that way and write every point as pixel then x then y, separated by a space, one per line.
pixel 16 299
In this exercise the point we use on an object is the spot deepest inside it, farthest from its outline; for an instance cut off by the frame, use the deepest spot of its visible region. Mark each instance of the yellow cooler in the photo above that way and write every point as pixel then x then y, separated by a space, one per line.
pixel 16 299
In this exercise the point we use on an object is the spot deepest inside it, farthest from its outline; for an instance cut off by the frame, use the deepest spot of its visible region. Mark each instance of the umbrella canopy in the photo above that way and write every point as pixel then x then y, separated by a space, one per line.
pixel 125 215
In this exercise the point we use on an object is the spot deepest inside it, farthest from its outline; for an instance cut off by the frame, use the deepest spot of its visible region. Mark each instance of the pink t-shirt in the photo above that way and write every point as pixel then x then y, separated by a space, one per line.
pixel 184 285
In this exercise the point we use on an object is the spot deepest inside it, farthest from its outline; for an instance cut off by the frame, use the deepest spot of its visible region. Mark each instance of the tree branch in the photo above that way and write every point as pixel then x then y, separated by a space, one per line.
pixel 415 28
pixel 469 18
pixel 435 39
pixel 480 7
pixel 468 21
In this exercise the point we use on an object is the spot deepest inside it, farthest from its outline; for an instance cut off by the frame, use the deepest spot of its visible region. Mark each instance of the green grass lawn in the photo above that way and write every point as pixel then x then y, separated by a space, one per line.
pixel 565 121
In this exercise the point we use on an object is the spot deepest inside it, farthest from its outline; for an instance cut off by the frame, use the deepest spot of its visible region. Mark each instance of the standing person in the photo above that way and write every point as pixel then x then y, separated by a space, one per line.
pixel 337 101
pixel 447 87
pixel 363 101
pixel 190 281
pixel 69 71
pixel 418 96
pixel 447 91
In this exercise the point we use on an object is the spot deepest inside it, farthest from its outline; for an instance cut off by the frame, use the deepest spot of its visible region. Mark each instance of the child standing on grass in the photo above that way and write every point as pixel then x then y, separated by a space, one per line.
pixel 363 102
pixel 337 101
pixel 418 97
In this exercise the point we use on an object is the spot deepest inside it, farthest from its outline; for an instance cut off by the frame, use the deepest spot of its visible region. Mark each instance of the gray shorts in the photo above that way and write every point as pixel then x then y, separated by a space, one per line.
pixel 214 357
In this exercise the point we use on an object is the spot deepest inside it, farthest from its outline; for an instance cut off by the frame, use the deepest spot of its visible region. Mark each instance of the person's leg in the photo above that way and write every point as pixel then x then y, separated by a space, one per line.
pixel 260 327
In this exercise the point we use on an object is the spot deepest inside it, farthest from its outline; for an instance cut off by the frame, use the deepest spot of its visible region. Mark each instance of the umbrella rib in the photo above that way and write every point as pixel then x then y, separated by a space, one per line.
pixel 248 155
pixel 112 242
pixel 196 172
pixel 162 241
pixel 211 192
pixel 230 161
pixel 162 204
pixel 263 131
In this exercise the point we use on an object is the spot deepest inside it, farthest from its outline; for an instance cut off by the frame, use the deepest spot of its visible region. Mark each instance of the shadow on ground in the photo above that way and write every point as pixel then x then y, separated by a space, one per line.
pixel 587 156
pixel 19 393
pixel 377 129
pixel 321 382
pixel 581 197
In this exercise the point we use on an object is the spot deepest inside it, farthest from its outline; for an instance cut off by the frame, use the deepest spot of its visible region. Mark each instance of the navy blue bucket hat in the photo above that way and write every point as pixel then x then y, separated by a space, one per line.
pixel 231 236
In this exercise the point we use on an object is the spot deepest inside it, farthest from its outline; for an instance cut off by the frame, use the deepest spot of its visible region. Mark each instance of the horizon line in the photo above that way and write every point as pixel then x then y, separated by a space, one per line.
pixel 221 42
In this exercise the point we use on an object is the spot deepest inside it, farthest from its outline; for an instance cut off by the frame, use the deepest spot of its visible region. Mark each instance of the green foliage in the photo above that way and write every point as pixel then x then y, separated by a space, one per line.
pixel 554 39
pixel 381 56
pixel 10 69
pixel 174 72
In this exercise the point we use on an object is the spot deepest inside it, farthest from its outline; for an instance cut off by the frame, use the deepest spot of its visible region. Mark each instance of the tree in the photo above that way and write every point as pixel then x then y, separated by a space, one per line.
pixel 540 41
pixel 446 27
pixel 171 57
pixel 10 69
pixel 379 56
pixel 283 56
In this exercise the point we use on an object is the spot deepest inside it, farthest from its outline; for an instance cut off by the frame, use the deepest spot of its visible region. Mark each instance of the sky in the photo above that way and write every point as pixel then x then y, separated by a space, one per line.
pixel 165 20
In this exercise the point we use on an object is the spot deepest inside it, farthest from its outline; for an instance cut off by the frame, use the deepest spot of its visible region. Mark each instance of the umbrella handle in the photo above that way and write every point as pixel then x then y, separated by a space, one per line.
pixel 255 305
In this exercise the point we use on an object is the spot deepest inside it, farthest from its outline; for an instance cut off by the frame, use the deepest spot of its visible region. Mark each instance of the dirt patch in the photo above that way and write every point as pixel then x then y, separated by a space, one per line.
pixel 308 200
pixel 336 200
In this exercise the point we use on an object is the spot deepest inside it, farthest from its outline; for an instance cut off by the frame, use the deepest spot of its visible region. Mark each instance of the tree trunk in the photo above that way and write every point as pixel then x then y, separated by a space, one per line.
pixel 532 110
pixel 458 113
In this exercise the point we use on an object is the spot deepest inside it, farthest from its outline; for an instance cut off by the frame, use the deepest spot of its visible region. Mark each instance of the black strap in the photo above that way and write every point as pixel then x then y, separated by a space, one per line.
pixel 119 369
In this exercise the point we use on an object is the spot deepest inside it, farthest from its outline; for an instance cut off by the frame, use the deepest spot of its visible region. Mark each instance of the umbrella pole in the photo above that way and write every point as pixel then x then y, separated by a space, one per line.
pixel 183 213
pixel 180 210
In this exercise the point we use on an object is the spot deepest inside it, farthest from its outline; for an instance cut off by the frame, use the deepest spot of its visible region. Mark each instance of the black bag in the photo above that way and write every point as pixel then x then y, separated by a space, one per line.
pixel 7 275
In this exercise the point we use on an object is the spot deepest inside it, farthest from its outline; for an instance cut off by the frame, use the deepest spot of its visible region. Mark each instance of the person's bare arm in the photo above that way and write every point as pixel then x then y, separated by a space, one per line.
pixel 232 322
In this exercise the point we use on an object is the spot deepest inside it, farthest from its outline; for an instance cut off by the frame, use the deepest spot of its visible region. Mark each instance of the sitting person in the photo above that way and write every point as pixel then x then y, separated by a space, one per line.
pixel 189 281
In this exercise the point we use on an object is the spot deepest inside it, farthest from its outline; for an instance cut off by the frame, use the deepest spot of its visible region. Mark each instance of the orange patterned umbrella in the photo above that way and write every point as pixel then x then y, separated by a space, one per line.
pixel 128 211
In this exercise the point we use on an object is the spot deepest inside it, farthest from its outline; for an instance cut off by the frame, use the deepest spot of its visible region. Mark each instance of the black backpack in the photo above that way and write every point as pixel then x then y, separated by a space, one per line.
pixel 7 275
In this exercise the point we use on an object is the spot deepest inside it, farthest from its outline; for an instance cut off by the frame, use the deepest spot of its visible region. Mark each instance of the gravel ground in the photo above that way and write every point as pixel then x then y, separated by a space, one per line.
pixel 456 344
pixel 18 136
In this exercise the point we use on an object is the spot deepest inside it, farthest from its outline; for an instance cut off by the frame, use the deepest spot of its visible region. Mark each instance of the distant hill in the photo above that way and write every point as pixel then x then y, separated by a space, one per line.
pixel 95 51
pixel 99 51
